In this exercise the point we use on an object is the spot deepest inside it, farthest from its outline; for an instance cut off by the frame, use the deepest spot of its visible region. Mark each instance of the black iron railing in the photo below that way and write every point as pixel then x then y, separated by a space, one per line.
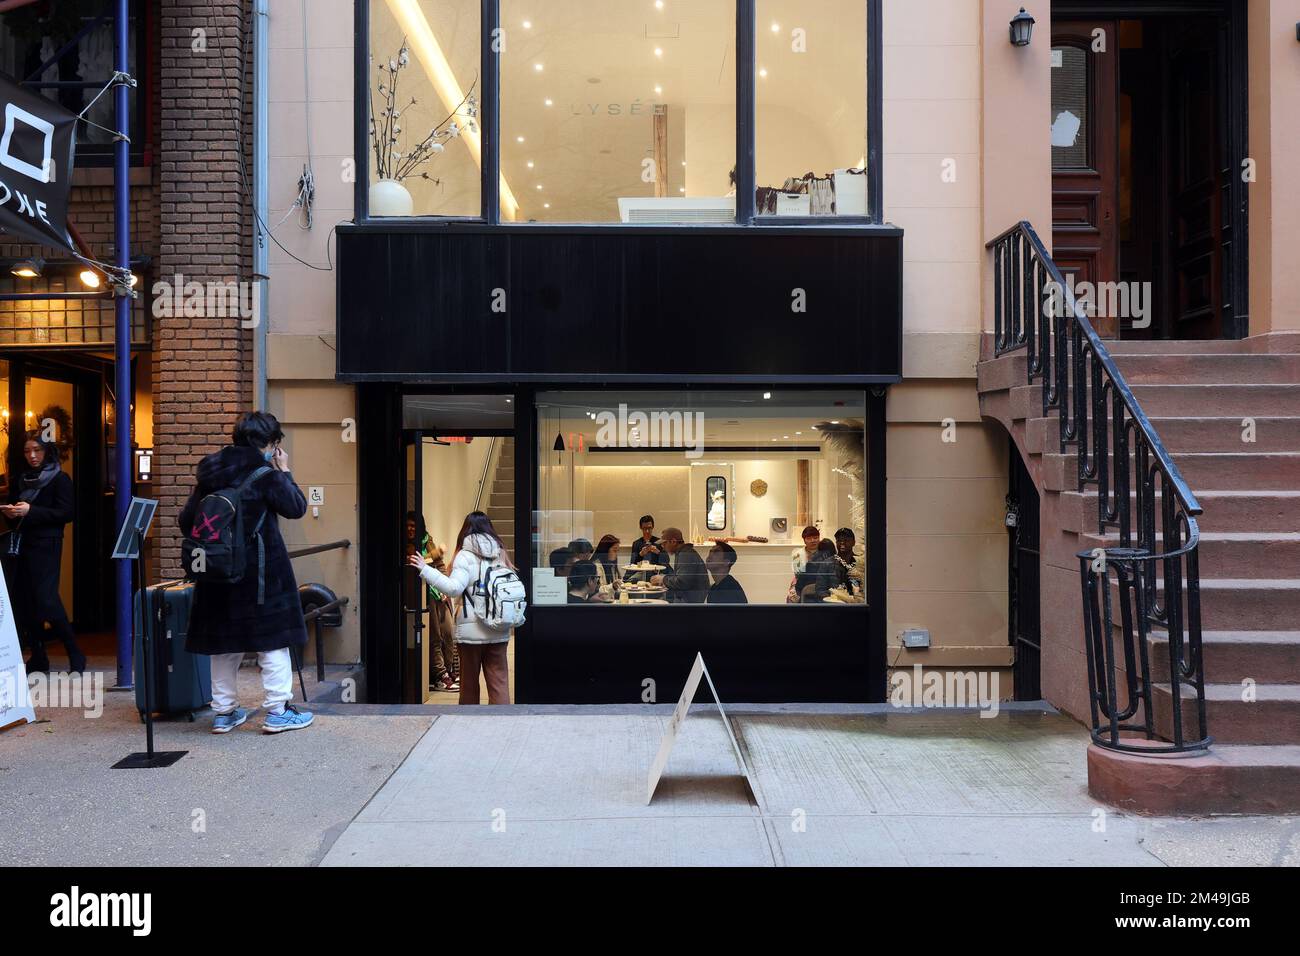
pixel 1141 498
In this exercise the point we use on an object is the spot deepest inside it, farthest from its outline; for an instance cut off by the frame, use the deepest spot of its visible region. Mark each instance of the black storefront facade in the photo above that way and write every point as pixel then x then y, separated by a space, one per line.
pixel 793 307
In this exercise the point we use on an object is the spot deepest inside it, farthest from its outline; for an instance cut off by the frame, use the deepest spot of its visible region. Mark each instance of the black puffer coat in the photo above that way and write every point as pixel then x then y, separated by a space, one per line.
pixel 226 618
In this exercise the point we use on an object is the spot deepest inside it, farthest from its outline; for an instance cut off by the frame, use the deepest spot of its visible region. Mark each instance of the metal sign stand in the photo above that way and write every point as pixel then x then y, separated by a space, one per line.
pixel 130 541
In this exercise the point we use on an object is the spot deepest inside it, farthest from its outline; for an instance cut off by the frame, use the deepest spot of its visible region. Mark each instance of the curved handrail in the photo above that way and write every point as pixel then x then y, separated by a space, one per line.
pixel 1119 451
pixel 1099 349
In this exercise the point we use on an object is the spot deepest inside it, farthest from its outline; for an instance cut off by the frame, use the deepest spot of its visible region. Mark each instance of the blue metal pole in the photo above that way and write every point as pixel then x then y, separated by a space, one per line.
pixel 122 335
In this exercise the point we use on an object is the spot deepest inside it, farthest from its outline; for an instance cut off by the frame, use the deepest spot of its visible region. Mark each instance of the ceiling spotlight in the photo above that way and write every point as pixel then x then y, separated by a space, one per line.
pixel 767 394
pixel 550 102
pixel 659 4
pixel 528 24
pixel 519 139
pixel 659 51
pixel 539 185
pixel 659 89
pixel 776 28
pixel 763 72
pixel 546 205
pixel 90 278
pixel 530 164
pixel 538 67
pixel 28 268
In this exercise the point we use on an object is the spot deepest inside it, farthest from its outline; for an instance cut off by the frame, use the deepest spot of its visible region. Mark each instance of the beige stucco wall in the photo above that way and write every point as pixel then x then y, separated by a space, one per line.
pixel 947 563
pixel 300 323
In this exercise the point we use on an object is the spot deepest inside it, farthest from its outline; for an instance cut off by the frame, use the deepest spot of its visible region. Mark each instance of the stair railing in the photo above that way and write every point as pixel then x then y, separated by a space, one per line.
pixel 1141 496
pixel 489 464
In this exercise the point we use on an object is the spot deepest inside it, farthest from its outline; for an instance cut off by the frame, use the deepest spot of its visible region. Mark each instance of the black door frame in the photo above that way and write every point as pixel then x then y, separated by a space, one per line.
pixel 92 597
pixel 1024 562
pixel 1234 96
pixel 381 495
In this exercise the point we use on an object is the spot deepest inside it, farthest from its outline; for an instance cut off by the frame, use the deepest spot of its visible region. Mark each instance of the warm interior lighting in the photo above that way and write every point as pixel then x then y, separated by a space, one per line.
pixel 420 36
pixel 90 278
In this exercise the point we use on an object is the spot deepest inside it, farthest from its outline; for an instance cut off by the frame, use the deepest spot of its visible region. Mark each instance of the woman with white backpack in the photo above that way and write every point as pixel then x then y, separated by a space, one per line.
pixel 493 602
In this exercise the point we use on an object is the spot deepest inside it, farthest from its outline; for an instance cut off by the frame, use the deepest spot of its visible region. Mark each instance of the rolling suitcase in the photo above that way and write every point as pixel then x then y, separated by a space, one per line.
pixel 182 682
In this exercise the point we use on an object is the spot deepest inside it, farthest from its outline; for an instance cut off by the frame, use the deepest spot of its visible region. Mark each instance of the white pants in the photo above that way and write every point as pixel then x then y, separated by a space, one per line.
pixel 277 680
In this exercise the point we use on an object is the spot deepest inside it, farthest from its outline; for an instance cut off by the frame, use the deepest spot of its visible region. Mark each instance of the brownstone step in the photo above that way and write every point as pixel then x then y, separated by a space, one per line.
pixel 1184 435
pixel 1244 471
pixel 1271 717
pixel 1226 779
pixel 1270 657
pixel 1210 400
pixel 1208 368
pixel 1240 604
pixel 1238 554
pixel 1268 510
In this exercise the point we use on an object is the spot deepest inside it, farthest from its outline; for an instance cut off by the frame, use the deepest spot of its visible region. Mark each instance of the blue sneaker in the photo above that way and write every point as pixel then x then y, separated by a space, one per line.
pixel 225 723
pixel 291 719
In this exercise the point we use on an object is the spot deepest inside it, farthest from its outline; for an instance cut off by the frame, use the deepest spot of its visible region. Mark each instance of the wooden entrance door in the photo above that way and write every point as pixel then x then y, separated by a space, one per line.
pixel 1085 152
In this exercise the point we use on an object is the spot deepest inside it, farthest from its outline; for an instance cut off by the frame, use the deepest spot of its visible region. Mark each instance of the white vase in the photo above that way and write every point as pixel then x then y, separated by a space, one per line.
pixel 388 197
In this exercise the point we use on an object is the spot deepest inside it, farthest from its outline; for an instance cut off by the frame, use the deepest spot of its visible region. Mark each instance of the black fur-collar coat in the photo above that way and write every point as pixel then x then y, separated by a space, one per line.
pixel 226 618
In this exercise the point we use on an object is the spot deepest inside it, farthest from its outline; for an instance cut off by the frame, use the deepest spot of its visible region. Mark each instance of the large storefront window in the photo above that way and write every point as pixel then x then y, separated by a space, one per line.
pixel 425 144
pixel 619 112
pixel 755 498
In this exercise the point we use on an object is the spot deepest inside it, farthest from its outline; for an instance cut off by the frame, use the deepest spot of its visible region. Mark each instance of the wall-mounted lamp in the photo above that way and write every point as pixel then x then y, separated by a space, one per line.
pixel 28 268
pixel 90 278
pixel 1022 28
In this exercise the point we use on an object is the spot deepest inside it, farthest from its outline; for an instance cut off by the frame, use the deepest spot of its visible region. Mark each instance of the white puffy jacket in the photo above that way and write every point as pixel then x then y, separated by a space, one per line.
pixel 467 568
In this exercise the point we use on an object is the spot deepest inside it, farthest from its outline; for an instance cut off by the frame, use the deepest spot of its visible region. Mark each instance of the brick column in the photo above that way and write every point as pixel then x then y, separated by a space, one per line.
pixel 202 364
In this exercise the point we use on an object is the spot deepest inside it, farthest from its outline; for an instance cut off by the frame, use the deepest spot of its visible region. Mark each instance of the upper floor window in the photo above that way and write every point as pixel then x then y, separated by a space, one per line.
pixel 612 111
pixel 65 52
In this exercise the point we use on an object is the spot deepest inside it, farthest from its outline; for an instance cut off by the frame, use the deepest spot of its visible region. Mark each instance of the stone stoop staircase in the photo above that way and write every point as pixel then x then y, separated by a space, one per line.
pixel 1202 398
pixel 499 501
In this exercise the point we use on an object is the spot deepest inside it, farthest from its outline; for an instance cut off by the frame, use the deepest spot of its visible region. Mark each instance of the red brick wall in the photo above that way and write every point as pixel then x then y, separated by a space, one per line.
pixel 202 366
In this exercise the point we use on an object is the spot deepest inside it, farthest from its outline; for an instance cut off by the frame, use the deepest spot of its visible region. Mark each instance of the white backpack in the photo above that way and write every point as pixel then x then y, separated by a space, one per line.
pixel 499 597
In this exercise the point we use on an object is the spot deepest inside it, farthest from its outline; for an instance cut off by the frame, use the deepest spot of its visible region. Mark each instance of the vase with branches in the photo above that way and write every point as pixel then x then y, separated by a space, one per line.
pixel 394 127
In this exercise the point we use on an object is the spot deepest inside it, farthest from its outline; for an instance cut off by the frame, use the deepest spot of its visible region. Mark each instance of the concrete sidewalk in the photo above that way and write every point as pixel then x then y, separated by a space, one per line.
pixel 566 786
pixel 833 789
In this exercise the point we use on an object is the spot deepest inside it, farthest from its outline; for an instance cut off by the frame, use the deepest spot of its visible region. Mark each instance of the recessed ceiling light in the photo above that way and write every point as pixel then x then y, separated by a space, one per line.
pixel 550 102
pixel 539 185
pixel 785 436
pixel 530 164
pixel 519 139
pixel 546 205
pixel 659 4
pixel 528 24
pixel 538 67
pixel 763 72
pixel 798 433
pixel 683 162
pixel 767 394
pixel 776 28
pixel 659 89
pixel 659 51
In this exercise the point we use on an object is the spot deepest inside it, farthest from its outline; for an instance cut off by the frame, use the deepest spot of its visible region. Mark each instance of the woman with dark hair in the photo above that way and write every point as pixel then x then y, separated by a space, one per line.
pixel 261 613
pixel 40 504
pixel 820 574
pixel 606 559
pixel 482 648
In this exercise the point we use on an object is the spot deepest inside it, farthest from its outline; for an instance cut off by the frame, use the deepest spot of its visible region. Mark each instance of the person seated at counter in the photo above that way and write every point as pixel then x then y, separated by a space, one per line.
pixel 725 589
pixel 687 580
pixel 648 547
pixel 847 559
pixel 819 575
pixel 799 558
pixel 561 560
pixel 607 559
pixel 581 549
pixel 583 583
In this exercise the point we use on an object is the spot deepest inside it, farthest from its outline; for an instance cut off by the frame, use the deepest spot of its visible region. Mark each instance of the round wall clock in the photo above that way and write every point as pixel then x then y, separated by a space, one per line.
pixel 758 487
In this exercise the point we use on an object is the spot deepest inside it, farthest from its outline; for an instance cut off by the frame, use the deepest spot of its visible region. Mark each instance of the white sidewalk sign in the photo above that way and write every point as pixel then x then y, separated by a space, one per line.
pixel 683 708
pixel 15 704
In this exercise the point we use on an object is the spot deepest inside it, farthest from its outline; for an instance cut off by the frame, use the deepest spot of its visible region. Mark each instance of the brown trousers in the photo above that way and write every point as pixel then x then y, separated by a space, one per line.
pixel 491 658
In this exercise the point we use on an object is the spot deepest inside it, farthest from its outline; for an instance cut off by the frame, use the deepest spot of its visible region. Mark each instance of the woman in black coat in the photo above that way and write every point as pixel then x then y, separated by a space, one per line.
pixel 40 504
pixel 227 620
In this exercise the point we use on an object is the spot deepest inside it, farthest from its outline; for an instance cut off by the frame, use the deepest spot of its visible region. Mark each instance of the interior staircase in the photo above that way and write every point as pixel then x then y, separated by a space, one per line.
pixel 499 498
pixel 1229 414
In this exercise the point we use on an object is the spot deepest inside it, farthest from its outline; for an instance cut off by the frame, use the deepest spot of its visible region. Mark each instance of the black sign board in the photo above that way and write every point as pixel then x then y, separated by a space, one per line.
pixel 38 143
